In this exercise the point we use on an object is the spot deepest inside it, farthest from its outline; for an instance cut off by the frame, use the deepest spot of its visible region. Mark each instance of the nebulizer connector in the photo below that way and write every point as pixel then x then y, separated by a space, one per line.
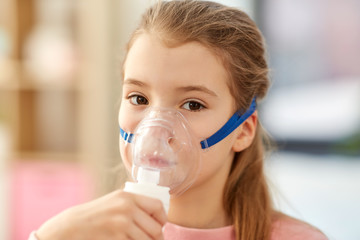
pixel 147 185
pixel 164 155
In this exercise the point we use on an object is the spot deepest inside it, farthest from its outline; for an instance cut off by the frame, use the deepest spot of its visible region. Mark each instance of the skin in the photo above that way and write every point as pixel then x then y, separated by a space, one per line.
pixel 190 79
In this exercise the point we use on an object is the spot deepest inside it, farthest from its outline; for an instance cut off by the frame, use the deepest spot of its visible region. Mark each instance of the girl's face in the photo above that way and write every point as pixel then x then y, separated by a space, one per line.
pixel 188 78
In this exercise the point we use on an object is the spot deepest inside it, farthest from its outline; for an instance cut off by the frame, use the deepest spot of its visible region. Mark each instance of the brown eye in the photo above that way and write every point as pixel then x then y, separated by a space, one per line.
pixel 193 106
pixel 138 100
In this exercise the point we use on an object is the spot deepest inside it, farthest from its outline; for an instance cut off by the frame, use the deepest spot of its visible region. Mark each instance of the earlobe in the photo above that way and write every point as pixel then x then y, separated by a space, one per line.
pixel 245 133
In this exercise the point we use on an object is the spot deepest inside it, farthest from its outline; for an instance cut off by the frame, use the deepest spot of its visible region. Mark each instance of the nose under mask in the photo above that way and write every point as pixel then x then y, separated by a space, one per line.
pixel 164 150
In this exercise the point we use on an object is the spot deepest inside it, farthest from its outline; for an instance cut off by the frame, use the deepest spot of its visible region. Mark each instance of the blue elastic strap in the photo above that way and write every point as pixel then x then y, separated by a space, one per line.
pixel 235 121
pixel 126 136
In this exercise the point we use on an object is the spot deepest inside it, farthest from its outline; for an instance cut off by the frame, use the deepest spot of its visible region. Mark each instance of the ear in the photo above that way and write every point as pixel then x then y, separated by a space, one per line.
pixel 245 133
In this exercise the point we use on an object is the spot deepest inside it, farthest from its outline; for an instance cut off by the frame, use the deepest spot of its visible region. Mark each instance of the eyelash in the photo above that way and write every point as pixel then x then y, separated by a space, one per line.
pixel 134 97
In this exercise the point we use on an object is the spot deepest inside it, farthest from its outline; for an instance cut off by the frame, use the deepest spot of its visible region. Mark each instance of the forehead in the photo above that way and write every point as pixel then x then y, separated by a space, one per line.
pixel 150 59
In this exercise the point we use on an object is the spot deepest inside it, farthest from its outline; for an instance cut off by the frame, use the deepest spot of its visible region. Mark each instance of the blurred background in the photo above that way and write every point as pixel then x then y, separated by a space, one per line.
pixel 60 89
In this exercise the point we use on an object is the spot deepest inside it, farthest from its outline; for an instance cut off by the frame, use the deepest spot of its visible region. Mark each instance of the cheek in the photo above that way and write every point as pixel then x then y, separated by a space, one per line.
pixel 125 154
pixel 128 118
pixel 202 128
pixel 128 123
pixel 216 162
pixel 208 125
pixel 122 119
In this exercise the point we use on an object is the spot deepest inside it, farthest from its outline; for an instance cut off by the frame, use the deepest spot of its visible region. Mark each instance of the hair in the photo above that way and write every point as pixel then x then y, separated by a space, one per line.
pixel 235 39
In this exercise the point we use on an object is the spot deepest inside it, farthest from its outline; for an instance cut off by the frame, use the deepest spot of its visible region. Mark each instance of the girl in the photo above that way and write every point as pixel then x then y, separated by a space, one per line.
pixel 206 61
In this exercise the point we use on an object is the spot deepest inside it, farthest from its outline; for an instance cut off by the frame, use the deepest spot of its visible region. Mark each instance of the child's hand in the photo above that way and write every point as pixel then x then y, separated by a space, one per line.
pixel 118 215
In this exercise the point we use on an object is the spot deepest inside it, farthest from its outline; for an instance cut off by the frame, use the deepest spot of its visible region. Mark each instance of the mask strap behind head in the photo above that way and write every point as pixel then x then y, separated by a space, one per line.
pixel 235 121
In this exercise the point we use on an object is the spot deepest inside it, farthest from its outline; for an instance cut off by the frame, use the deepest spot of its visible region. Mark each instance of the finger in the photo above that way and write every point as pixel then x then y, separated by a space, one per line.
pixel 153 207
pixel 148 224
pixel 135 233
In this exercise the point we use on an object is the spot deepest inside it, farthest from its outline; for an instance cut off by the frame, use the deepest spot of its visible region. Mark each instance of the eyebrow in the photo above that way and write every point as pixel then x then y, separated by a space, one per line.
pixel 198 88
pixel 132 81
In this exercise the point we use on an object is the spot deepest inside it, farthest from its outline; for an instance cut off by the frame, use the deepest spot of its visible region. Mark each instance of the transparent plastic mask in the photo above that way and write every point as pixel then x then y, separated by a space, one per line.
pixel 164 151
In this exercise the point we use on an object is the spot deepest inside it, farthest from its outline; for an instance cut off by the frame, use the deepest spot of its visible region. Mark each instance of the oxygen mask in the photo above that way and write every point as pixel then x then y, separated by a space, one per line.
pixel 163 151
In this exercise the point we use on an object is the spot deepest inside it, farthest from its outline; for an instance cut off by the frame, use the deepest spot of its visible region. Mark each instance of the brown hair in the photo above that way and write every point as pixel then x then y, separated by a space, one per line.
pixel 233 37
